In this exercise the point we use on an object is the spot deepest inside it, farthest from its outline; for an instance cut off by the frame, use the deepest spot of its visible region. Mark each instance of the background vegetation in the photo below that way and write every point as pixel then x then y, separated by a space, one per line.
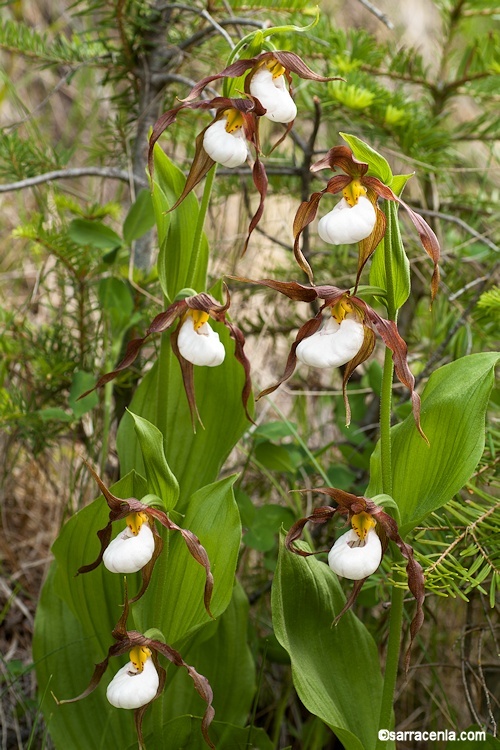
pixel 80 86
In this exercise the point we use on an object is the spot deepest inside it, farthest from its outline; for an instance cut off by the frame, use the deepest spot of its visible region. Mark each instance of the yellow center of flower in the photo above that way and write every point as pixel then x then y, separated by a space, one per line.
pixel 139 656
pixel 199 318
pixel 135 521
pixel 275 67
pixel 353 191
pixel 234 120
pixel 362 523
pixel 340 310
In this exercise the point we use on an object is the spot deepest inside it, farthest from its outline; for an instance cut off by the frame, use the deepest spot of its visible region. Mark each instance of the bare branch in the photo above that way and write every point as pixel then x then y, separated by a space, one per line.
pixel 61 174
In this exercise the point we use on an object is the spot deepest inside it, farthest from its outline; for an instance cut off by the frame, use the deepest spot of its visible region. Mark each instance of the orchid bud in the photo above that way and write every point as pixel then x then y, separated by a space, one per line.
pixel 226 146
pixel 347 223
pixel 133 548
pixel 355 558
pixel 135 684
pixel 272 93
pixel 334 345
pixel 198 342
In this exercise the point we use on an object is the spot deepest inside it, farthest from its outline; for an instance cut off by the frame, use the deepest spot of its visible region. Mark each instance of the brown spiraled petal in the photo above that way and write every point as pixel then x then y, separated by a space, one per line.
pixel 318 516
pixel 416 581
pixel 164 320
pixel 295 64
pixel 99 670
pixel 261 182
pixel 206 303
pixel 388 332
pixel 429 241
pixel 158 128
pixel 147 570
pixel 310 327
pixel 235 70
pixel 241 357
pixel 104 536
pixel 131 352
pixel 202 163
pixel 306 213
pixel 199 553
pixel 159 324
pixel 350 600
pixel 342 157
pixel 187 372
pixel 367 247
pixel 348 502
pixel 291 289
pixel 363 354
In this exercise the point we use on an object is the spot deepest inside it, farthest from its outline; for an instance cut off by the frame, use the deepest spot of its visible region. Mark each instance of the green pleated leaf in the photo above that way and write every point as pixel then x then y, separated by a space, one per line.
pixel 73 627
pixel 379 167
pixel 194 458
pixel 185 732
pixel 174 600
pixel 454 404
pixel 159 477
pixel 335 670
pixel 140 218
pixel 183 257
pixel 225 659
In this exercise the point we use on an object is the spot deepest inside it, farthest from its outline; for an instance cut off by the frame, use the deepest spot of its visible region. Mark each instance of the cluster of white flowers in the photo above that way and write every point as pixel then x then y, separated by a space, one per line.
pixel 224 140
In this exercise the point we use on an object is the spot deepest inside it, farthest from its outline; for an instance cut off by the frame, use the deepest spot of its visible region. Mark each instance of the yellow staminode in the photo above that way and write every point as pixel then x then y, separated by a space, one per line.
pixel 341 309
pixel 275 68
pixel 362 523
pixel 353 191
pixel 234 120
pixel 199 318
pixel 139 656
pixel 135 520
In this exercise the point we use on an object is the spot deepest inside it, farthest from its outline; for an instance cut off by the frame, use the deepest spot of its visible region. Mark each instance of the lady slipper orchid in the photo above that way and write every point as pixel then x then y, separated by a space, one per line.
pixel 198 343
pixel 142 680
pixel 336 343
pixel 345 308
pixel 133 548
pixel 139 517
pixel 136 684
pixel 348 223
pixel 193 343
pixel 358 553
pixel 351 223
pixel 267 84
pixel 224 140
pixel 267 95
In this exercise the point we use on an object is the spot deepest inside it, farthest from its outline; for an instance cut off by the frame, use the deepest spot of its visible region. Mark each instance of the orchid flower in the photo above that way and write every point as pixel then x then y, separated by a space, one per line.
pixel 120 556
pixel 347 337
pixel 358 553
pixel 236 124
pixel 357 218
pixel 142 680
pixel 194 342
pixel 225 141
pixel 265 81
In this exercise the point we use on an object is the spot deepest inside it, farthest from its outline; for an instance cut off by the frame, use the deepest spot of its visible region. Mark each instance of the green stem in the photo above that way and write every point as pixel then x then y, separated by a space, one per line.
pixel 391 663
pixel 396 616
pixel 385 423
